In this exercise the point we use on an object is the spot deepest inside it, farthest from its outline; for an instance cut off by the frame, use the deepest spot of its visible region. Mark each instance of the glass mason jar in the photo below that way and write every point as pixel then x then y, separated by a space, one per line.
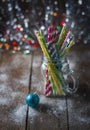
pixel 59 78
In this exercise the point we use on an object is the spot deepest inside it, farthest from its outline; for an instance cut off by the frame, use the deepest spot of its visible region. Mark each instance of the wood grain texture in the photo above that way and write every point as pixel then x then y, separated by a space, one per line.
pixel 79 104
pixel 64 113
pixel 14 80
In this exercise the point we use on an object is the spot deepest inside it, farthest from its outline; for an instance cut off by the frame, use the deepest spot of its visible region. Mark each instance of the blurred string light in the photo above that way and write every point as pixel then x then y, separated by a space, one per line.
pixel 77 17
pixel 25 17
pixel 16 35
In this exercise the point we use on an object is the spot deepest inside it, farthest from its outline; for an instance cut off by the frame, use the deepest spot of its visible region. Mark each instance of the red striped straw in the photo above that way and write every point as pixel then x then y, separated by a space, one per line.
pixel 51 41
pixel 51 34
pixel 48 88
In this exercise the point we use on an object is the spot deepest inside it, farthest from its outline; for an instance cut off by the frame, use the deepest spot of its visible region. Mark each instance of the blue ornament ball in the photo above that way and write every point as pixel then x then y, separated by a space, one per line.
pixel 32 100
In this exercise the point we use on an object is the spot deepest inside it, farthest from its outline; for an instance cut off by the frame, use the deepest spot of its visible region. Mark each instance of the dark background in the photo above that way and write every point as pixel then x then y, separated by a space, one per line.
pixel 75 13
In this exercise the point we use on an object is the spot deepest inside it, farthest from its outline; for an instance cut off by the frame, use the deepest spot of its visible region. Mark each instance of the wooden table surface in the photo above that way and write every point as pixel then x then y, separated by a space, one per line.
pixel 21 74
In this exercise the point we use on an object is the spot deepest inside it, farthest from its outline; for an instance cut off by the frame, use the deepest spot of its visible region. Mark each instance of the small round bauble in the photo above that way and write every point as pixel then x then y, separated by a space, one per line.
pixel 32 100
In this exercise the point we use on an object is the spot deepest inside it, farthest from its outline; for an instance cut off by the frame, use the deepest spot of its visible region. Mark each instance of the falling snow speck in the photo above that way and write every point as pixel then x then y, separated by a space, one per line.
pixel 55 2
pixel 80 2
pixel 83 13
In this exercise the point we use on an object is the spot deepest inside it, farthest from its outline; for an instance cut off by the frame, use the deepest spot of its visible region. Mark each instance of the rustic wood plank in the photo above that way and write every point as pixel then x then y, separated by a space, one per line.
pixel 51 112
pixel 14 80
pixel 79 104
pixel 79 113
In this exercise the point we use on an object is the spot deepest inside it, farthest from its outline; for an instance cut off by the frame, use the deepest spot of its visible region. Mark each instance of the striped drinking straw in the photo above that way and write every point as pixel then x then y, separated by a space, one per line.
pixel 51 41
pixel 62 36
pixel 57 79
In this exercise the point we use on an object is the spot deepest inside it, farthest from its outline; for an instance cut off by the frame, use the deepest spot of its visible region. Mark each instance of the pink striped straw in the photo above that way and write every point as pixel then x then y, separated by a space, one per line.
pixel 67 36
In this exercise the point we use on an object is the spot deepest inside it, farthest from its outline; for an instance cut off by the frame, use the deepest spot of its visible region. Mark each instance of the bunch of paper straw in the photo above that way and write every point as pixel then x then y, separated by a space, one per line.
pixel 54 50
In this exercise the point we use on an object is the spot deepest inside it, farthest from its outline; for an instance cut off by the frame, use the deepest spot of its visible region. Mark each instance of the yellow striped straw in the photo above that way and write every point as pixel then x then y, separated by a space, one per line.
pixel 62 36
